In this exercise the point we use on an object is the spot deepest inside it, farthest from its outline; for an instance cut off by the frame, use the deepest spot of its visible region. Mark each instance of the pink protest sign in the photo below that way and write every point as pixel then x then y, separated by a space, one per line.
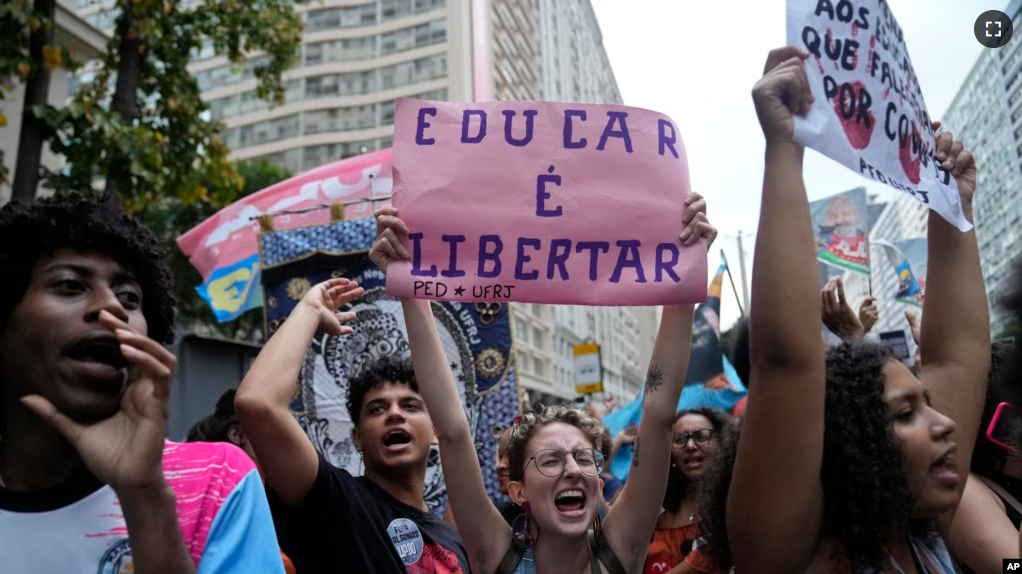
pixel 542 202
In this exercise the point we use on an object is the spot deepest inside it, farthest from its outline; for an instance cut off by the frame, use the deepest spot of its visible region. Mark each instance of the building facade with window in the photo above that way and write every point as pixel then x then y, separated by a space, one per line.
pixel 359 56
pixel 546 335
pixel 987 115
pixel 900 218
pixel 574 63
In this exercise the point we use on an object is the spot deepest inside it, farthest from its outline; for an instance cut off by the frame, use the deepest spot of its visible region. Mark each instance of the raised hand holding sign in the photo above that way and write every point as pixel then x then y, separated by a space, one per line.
pixel 869 114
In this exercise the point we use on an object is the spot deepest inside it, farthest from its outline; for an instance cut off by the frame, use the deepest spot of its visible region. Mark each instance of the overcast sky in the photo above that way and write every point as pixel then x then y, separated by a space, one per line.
pixel 697 62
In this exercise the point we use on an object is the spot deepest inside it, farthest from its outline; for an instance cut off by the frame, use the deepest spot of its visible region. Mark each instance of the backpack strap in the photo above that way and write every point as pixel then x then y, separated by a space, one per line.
pixel 1000 491
pixel 511 559
pixel 601 552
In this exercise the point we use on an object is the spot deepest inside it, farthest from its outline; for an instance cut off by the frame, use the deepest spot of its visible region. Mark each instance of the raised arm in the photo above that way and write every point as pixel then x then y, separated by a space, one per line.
pixel 633 517
pixel 288 460
pixel 838 315
pixel 955 334
pixel 483 530
pixel 775 503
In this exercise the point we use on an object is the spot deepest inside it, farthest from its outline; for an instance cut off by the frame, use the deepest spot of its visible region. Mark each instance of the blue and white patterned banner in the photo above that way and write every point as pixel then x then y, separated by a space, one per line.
pixel 476 337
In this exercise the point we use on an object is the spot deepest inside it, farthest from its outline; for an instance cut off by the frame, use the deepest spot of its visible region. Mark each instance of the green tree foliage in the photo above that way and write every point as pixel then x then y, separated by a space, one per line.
pixel 26 55
pixel 170 217
pixel 1011 329
pixel 139 126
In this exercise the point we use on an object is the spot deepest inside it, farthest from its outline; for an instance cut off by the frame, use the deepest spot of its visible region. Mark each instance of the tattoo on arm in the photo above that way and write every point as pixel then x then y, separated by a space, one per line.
pixel 654 378
pixel 635 454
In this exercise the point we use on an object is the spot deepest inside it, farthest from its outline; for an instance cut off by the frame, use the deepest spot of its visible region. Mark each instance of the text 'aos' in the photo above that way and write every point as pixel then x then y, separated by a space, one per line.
pixel 869 113
pixel 542 202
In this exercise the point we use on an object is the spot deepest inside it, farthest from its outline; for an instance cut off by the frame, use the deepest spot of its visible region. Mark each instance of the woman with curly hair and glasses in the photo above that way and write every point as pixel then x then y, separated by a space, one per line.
pixel 554 456
pixel 846 461
pixel 698 434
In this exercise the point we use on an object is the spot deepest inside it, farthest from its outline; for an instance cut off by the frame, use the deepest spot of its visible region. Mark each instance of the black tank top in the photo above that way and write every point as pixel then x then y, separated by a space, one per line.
pixel 1014 487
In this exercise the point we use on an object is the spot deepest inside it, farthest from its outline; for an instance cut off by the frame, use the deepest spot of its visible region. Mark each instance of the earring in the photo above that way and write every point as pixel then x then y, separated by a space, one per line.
pixel 598 530
pixel 525 531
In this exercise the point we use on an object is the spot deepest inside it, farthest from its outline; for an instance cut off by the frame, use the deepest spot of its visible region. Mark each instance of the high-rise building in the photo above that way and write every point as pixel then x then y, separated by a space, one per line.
pixel 355 61
pixel 574 63
pixel 625 335
pixel 987 115
pixel 358 58
pixel 899 219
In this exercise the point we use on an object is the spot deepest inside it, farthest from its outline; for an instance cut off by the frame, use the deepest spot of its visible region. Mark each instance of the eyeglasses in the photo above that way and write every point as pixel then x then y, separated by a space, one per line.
pixel 701 436
pixel 551 463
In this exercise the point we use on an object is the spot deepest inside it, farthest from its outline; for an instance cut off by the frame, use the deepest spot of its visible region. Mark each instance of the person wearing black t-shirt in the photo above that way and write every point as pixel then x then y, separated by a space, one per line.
pixel 328 520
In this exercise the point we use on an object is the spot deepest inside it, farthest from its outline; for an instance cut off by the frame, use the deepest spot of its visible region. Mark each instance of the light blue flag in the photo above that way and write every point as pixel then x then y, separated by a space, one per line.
pixel 234 289
pixel 692 396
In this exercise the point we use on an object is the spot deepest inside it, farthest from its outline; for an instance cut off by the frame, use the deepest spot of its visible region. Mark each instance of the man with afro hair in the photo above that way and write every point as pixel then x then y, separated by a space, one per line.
pixel 86 300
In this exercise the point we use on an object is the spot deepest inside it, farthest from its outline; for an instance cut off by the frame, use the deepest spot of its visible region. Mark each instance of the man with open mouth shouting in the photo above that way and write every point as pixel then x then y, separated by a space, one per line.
pixel 87 481
pixel 327 519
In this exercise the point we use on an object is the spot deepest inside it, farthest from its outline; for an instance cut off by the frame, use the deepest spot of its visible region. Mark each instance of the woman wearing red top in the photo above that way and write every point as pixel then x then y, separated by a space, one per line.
pixel 698 434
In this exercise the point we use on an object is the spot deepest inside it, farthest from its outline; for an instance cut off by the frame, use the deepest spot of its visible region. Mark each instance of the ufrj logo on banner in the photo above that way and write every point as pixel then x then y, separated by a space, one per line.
pixel 909 260
pixel 869 114
pixel 542 202
pixel 224 248
pixel 711 380
pixel 841 225
pixel 476 338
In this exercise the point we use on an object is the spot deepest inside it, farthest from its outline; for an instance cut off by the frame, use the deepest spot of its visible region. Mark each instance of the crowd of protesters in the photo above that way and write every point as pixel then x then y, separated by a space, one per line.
pixel 844 460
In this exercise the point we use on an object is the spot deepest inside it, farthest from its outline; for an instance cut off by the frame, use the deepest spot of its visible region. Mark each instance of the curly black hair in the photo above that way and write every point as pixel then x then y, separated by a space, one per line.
pixel 740 352
pixel 987 458
pixel 87 223
pixel 866 495
pixel 216 427
pixel 723 430
pixel 713 501
pixel 525 427
pixel 385 369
